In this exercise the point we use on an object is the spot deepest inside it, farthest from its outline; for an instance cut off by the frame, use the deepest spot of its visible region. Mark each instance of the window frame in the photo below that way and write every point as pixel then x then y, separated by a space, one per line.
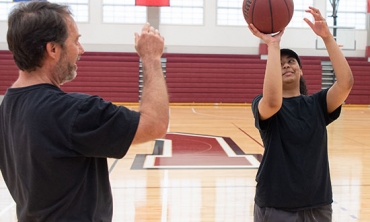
pixel 181 8
pixel 122 4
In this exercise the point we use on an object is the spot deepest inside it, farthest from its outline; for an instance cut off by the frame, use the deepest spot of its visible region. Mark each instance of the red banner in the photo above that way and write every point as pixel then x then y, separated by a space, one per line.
pixel 153 2
pixel 368 6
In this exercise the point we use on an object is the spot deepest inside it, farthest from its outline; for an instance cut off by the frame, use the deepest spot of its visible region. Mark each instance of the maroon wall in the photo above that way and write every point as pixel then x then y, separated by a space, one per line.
pixel 191 78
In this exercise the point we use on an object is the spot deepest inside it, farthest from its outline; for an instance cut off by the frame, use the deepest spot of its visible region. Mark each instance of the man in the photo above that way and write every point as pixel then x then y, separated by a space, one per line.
pixel 54 145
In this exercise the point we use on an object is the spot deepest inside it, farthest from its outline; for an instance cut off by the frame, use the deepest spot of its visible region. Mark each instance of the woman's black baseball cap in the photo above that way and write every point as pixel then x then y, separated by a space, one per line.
pixel 292 54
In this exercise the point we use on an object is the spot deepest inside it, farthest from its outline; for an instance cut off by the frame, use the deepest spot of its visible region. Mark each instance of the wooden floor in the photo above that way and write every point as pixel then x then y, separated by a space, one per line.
pixel 215 192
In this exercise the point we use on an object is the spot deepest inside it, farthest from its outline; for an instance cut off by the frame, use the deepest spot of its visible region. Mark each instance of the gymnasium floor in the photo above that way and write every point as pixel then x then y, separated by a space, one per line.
pixel 205 170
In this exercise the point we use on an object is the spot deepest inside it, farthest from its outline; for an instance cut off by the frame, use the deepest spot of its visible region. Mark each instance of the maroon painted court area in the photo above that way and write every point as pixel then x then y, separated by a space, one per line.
pixel 181 150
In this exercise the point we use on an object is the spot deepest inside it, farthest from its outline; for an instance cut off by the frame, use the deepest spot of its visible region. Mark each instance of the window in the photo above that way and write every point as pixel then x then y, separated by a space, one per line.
pixel 5 8
pixel 229 12
pixel 123 11
pixel 183 12
pixel 350 14
pixel 79 8
pixel 300 7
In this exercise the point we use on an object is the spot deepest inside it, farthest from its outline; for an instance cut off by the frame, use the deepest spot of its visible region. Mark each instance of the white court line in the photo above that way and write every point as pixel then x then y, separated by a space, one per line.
pixel 7 208
pixel 165 180
pixel 204 114
pixel 149 162
pixel 167 152
pixel 165 196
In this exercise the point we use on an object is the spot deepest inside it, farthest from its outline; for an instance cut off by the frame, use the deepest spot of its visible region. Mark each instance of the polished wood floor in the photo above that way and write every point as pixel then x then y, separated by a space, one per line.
pixel 221 193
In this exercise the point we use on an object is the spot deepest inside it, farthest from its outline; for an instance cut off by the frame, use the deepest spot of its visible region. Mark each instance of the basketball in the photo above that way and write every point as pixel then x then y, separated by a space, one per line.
pixel 268 16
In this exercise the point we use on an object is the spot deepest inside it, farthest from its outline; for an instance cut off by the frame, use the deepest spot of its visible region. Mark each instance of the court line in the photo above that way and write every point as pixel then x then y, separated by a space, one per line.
pixel 113 165
pixel 115 162
pixel 165 192
pixel 164 197
pixel 247 134
pixel 204 114
pixel 337 206
pixel 7 208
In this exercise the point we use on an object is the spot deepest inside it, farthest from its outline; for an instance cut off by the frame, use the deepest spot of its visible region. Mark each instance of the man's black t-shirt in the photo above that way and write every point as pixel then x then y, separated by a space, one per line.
pixel 54 148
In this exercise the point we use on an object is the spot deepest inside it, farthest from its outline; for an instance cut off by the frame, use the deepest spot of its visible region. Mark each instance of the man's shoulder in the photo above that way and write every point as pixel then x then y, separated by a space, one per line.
pixel 79 96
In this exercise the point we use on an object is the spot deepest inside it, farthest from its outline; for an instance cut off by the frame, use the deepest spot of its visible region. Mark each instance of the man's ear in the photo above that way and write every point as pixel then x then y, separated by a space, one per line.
pixel 52 50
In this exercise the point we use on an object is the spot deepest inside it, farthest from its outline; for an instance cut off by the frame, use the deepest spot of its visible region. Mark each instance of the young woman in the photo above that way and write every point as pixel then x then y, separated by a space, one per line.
pixel 293 180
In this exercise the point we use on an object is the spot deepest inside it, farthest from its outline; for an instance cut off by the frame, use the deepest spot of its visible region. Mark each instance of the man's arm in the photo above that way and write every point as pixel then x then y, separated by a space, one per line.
pixel 154 105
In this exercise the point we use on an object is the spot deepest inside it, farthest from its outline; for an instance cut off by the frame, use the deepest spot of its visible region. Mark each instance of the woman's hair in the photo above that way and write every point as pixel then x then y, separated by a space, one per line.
pixel 30 27
pixel 302 86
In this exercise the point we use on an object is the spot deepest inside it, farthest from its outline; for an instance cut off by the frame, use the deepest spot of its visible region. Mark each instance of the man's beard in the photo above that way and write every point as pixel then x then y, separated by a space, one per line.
pixel 65 71
pixel 71 74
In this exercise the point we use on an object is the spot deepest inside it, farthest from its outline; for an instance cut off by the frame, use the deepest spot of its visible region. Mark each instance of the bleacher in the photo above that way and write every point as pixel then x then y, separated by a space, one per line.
pixel 8 71
pixel 360 93
pixel 312 69
pixel 113 76
pixel 191 78
pixel 214 78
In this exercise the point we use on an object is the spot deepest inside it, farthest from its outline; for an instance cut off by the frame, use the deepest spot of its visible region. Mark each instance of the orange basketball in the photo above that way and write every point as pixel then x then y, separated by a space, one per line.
pixel 268 16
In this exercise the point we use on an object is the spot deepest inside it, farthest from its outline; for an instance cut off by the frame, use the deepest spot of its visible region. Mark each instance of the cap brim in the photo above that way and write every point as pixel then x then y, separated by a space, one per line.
pixel 291 53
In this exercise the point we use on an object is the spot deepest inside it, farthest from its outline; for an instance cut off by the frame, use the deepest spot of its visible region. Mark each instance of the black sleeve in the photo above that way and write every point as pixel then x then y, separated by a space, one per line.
pixel 329 117
pixel 102 129
pixel 261 125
